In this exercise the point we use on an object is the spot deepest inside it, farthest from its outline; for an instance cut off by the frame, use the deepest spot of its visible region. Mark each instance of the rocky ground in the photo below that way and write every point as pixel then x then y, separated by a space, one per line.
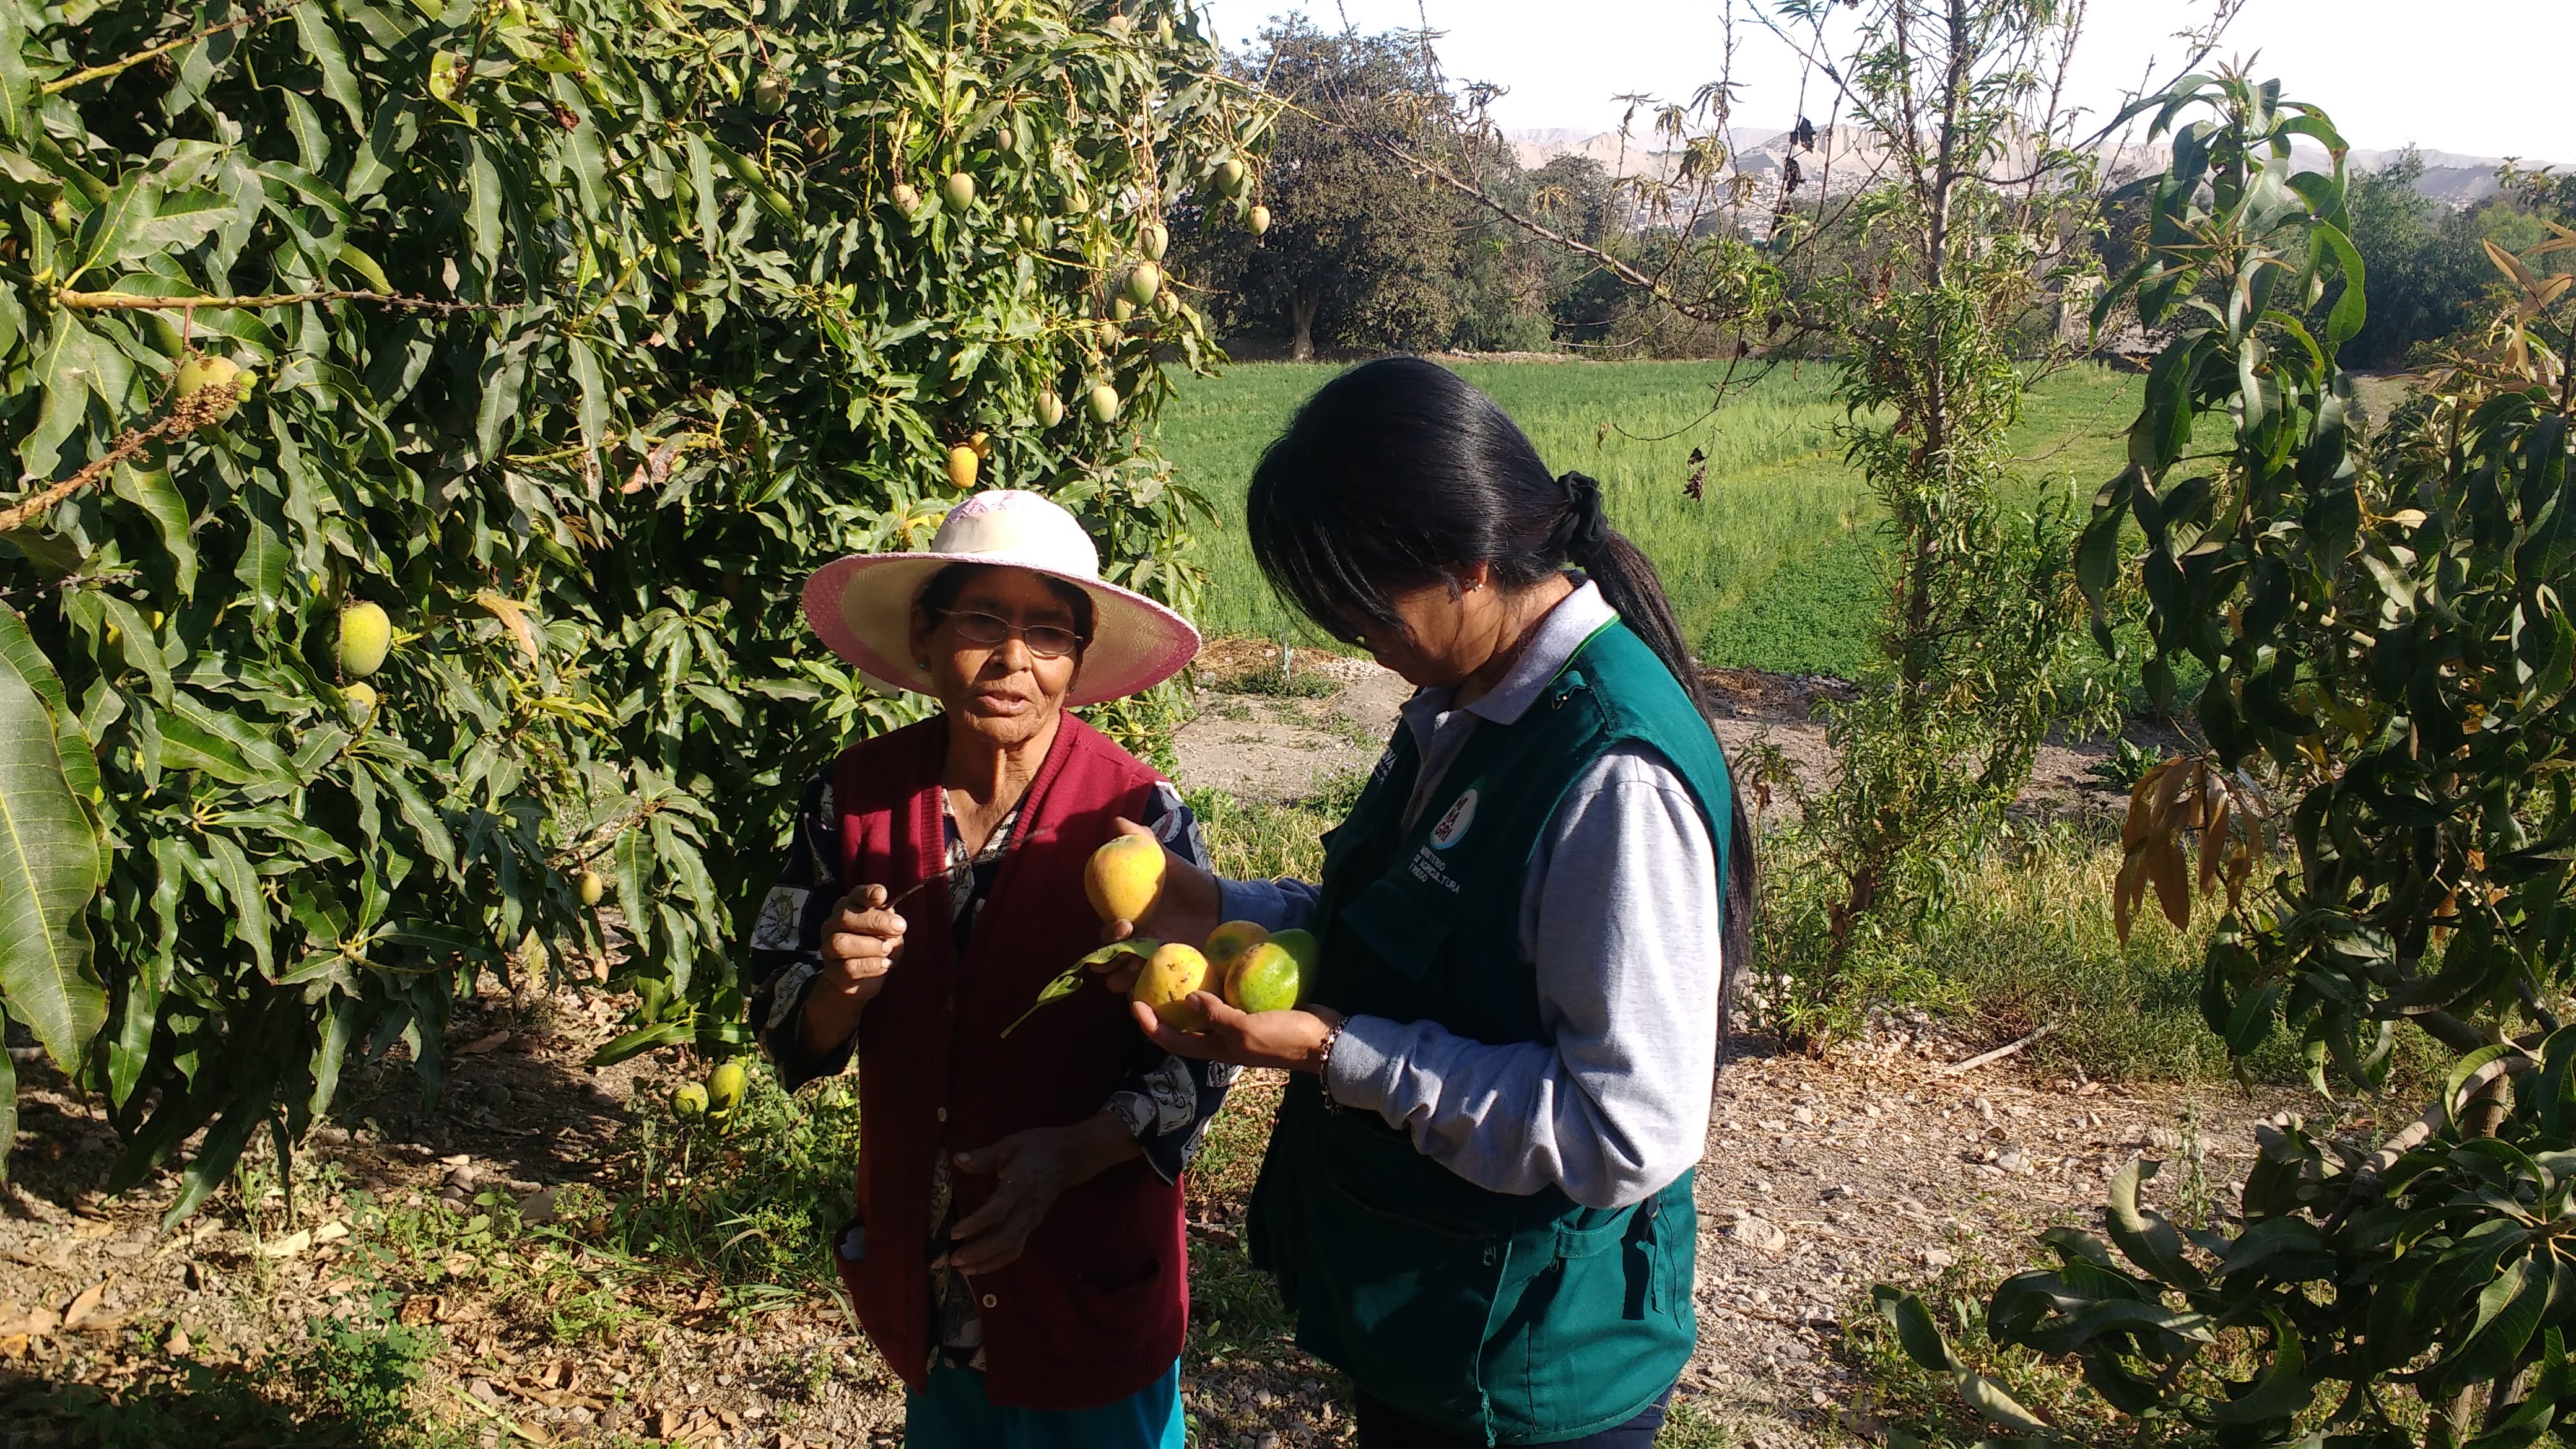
pixel 484 1226
pixel 1821 1178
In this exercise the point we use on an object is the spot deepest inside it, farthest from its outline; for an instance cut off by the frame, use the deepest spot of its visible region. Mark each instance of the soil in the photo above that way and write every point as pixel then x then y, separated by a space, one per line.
pixel 1822 1176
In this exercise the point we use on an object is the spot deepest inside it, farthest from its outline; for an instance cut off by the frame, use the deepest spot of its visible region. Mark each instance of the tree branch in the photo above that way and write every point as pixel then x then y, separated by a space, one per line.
pixel 115 68
pixel 140 302
pixel 186 416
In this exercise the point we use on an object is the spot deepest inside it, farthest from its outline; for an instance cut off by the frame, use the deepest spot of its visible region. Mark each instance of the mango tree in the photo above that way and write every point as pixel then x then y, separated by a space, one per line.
pixel 2383 818
pixel 427 412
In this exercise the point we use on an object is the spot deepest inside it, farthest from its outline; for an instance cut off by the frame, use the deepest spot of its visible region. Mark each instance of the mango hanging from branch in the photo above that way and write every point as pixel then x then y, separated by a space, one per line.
pixel 366 636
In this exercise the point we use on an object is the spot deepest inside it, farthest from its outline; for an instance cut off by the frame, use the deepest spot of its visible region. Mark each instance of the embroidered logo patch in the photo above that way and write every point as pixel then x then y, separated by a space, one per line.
pixel 1462 813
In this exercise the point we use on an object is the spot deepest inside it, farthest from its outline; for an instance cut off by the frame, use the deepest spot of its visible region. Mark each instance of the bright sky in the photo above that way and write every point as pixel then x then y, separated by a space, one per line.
pixel 2477 77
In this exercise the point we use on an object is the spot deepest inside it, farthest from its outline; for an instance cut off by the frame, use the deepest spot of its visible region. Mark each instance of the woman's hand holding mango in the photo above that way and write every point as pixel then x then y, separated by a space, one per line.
pixel 1186 909
pixel 859 946
pixel 1291 1040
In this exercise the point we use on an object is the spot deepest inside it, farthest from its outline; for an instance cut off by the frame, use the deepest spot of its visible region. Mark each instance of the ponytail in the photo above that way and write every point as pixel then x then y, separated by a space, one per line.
pixel 1397 473
pixel 1629 582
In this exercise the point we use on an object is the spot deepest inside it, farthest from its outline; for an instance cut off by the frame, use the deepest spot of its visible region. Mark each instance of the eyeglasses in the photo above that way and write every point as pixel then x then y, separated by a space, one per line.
pixel 1046 641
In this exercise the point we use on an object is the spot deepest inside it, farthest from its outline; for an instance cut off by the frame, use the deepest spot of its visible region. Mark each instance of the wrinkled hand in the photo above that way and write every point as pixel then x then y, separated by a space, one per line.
pixel 860 945
pixel 1291 1040
pixel 1187 912
pixel 1031 1170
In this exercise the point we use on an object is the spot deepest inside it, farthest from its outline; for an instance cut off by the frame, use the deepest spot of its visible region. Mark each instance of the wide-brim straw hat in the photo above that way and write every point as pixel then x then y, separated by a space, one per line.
pixel 862 604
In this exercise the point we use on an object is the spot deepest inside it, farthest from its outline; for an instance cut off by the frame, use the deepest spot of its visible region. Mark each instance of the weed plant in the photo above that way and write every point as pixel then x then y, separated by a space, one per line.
pixel 755 1198
pixel 345 1383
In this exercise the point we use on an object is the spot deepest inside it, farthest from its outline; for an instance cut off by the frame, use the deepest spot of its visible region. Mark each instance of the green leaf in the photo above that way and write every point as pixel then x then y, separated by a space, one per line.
pixel 2456 1079
pixel 151 490
pixel 322 43
pixel 2146 1236
pixel 61 375
pixel 49 873
pixel 483 206
pixel 1916 1333
pixel 594 388
pixel 2283 1391
pixel 644 1039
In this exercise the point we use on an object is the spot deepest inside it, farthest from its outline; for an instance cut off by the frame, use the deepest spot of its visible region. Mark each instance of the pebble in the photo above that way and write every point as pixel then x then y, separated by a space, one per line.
pixel 1758 1233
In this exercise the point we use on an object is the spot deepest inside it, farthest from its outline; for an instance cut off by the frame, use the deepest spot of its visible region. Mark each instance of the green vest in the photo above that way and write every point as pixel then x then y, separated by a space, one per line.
pixel 1505 1318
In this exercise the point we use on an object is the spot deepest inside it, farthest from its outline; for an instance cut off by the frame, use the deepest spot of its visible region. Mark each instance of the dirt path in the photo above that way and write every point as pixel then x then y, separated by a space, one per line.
pixel 1824 1177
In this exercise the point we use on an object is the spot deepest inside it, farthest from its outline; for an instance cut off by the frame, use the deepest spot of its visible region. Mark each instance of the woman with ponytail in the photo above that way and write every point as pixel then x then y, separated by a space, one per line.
pixel 1477 1199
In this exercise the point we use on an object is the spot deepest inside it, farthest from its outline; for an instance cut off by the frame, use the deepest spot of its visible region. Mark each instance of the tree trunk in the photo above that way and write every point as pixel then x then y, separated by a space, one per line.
pixel 1301 326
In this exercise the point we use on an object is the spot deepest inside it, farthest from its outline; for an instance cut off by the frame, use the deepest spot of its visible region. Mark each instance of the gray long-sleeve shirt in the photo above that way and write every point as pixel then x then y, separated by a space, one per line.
pixel 1618 918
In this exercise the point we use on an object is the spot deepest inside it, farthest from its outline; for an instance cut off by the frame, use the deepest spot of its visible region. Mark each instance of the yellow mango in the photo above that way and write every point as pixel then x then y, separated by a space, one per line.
pixel 1173 972
pixel 1125 878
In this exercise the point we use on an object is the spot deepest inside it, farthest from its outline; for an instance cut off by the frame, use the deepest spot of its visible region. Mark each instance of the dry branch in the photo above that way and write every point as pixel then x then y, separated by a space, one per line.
pixel 186 416
pixel 1998 1054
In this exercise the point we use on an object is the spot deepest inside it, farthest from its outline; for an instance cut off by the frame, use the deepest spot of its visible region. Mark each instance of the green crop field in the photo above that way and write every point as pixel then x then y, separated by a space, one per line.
pixel 1774 568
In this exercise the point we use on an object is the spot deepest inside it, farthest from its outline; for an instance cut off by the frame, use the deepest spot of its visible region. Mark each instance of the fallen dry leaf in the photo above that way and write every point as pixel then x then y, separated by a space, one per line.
pixel 485 1044
pixel 288 1246
pixel 84 1304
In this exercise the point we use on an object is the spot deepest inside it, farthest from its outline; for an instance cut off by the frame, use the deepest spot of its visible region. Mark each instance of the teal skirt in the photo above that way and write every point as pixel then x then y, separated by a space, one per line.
pixel 952 1413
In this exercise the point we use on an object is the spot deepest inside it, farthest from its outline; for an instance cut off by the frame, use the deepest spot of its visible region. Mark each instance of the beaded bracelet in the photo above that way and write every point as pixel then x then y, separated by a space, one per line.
pixel 1324 1056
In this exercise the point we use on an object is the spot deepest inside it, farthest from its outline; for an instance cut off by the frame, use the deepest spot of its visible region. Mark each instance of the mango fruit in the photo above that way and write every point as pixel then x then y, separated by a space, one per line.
pixel 962 463
pixel 366 635
pixel 1229 177
pixel 199 373
pixel 360 697
pixel 1104 404
pixel 1228 942
pixel 593 888
pixel 905 199
pixel 959 189
pixel 1125 878
pixel 724 1089
pixel 1272 975
pixel 1153 239
pixel 1170 975
pixel 1258 219
pixel 1050 409
pixel 1144 283
pixel 689 1100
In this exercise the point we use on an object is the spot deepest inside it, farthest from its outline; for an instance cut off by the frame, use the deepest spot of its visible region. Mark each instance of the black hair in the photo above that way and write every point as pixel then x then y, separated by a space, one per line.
pixel 939 596
pixel 1397 474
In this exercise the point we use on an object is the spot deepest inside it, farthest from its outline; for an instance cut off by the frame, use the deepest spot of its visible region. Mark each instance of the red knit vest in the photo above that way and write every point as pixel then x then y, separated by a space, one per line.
pixel 1096 1306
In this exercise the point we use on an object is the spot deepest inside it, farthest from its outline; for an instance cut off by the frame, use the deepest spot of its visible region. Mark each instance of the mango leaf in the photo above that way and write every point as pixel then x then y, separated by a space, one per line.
pixel 644 1039
pixel 49 872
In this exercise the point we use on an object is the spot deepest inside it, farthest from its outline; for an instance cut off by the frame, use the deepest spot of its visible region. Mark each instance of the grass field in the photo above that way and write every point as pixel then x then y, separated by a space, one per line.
pixel 1773 569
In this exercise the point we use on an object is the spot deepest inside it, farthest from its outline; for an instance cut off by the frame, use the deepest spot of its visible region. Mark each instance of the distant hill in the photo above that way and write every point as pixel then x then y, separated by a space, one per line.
pixel 1846 155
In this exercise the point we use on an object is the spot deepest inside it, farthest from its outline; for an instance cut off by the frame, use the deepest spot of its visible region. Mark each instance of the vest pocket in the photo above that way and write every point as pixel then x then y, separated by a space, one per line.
pixel 1603 1328
pixel 1402 1303
pixel 1403 930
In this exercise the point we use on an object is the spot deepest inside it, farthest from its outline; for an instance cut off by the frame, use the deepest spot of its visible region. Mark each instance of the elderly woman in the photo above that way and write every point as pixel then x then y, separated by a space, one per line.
pixel 1017 1254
